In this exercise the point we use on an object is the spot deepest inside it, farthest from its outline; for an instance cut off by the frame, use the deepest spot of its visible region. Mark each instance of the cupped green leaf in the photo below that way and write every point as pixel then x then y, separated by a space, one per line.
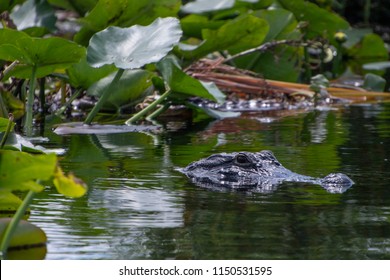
pixel 180 82
pixel 133 47
pixel 132 86
pixel 19 170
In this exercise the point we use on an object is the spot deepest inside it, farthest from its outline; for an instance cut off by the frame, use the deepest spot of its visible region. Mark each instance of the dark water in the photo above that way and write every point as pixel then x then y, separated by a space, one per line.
pixel 139 207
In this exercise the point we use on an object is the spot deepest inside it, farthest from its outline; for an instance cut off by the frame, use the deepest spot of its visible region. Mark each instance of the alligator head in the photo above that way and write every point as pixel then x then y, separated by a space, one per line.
pixel 255 171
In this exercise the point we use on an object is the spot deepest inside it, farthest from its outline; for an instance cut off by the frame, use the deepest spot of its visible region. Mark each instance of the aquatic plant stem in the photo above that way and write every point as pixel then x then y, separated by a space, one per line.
pixel 146 110
pixel 71 99
pixel 7 130
pixel 103 98
pixel 9 231
pixel 30 102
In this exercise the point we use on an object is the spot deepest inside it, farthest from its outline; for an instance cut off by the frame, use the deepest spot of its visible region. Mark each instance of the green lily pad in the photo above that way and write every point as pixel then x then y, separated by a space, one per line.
pixel 27 243
pixel 133 47
pixel 34 14
pixel 45 53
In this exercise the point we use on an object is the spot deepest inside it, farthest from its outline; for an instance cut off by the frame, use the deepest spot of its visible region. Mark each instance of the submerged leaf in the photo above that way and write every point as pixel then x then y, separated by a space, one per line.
pixel 133 47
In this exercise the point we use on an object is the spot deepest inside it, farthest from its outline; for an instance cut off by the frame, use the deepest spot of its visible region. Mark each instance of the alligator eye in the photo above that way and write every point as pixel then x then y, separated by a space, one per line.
pixel 242 160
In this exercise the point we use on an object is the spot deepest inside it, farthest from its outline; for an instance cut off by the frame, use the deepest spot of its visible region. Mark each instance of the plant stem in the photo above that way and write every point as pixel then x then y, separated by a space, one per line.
pixel 146 110
pixel 71 99
pixel 158 111
pixel 7 130
pixel 9 231
pixel 103 98
pixel 30 102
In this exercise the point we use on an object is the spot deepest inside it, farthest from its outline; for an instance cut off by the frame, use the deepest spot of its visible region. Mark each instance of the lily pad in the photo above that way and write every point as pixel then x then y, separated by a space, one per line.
pixel 45 53
pixel 133 47
pixel 80 128
pixel 27 243
pixel 35 17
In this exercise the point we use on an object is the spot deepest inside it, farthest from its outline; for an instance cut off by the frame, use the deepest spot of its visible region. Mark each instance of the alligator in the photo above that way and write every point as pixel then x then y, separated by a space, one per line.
pixel 258 172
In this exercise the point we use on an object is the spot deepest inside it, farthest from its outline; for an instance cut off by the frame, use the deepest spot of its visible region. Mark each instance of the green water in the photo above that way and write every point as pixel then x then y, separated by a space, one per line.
pixel 139 207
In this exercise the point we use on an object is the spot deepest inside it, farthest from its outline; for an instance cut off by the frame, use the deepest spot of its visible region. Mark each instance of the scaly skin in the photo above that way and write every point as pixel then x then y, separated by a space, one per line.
pixel 254 171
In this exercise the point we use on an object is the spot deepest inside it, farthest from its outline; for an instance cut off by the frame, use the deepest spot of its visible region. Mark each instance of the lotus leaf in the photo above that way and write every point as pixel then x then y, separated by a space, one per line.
pixel 133 47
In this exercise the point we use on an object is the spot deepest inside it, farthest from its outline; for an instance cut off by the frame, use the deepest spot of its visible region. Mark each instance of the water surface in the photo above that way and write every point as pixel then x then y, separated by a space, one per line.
pixel 139 207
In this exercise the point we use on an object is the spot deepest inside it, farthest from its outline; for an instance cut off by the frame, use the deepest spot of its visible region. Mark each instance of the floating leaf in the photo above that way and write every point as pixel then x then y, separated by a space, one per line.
pixel 133 47
pixel 19 170
pixel 27 243
pixel 69 185
pixel 381 65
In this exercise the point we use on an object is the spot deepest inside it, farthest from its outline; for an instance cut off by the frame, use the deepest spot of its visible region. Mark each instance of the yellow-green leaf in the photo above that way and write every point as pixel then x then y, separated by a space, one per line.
pixel 69 185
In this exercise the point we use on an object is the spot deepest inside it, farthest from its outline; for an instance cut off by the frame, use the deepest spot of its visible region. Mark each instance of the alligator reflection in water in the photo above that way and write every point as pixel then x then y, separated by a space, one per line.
pixel 258 172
